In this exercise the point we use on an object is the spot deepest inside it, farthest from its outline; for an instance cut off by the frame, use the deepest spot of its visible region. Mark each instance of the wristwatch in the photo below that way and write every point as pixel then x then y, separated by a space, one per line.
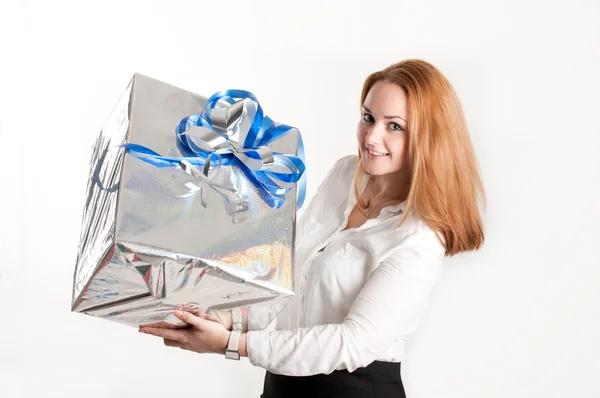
pixel 236 319
pixel 233 351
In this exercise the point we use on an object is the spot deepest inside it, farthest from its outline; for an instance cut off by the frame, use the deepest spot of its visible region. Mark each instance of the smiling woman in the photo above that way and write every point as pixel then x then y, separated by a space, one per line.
pixel 418 122
pixel 369 248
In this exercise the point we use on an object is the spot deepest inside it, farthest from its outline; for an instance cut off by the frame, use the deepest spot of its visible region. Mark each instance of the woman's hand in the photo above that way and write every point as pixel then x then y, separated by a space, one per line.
pixel 224 317
pixel 206 334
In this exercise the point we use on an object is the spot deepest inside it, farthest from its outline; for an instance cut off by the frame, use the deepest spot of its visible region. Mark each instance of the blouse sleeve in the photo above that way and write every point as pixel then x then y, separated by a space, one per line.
pixel 382 313
pixel 260 317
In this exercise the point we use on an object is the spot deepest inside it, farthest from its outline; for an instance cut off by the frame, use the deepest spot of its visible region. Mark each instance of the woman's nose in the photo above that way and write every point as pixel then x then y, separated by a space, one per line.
pixel 375 134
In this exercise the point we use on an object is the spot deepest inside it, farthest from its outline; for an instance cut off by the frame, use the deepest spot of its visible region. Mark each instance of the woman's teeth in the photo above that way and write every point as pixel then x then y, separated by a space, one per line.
pixel 377 153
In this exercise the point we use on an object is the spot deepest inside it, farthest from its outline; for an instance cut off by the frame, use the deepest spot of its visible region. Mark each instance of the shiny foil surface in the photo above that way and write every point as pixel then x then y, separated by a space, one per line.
pixel 148 245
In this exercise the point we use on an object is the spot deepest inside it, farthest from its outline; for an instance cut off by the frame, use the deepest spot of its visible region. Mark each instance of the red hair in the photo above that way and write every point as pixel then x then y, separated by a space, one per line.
pixel 445 185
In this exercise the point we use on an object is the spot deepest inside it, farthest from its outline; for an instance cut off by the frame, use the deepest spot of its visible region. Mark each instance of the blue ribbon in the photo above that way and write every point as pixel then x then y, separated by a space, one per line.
pixel 236 132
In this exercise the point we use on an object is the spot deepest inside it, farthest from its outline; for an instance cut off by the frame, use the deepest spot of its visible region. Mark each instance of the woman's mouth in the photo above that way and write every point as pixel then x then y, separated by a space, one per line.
pixel 373 154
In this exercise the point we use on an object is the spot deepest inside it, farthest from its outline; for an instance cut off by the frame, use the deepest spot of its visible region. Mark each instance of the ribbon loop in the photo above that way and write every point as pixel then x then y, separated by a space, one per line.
pixel 236 132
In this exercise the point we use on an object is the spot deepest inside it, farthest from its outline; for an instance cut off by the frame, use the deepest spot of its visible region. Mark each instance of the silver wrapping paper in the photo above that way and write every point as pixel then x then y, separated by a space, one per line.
pixel 148 245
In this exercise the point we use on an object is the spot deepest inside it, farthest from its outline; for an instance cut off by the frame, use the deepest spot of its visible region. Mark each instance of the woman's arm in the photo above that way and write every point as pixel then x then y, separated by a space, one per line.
pixel 384 310
pixel 257 317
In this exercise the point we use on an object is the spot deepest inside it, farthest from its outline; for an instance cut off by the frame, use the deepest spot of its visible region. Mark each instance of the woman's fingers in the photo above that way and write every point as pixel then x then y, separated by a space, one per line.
pixel 162 325
pixel 172 343
pixel 169 334
pixel 188 318
pixel 212 317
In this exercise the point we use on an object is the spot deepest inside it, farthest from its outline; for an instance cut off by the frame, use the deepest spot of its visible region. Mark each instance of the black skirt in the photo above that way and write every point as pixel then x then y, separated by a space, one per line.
pixel 379 379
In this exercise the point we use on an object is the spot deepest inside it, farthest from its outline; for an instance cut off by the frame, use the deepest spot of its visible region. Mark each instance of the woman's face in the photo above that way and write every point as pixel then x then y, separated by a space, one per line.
pixel 381 131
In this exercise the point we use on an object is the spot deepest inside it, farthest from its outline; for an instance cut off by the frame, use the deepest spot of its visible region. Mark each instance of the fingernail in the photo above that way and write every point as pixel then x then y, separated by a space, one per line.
pixel 178 313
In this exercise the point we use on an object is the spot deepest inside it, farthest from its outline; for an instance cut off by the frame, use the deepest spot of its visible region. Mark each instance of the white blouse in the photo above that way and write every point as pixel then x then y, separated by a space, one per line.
pixel 359 299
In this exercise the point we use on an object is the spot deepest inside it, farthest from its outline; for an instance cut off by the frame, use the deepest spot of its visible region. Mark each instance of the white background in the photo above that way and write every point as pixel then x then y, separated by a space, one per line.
pixel 520 318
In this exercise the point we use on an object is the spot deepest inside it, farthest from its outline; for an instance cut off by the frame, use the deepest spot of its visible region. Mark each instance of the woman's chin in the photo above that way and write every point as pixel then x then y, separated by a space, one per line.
pixel 374 171
pixel 378 170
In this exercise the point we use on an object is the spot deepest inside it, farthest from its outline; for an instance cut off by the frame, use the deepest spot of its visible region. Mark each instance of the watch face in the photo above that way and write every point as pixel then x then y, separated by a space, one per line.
pixel 232 355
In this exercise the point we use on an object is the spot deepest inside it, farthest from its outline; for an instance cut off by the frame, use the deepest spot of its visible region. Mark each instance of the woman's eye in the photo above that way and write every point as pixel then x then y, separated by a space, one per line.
pixel 396 127
pixel 367 118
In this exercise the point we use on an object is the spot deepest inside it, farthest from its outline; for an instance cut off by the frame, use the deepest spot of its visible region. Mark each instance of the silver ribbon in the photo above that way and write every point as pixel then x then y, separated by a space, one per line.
pixel 231 123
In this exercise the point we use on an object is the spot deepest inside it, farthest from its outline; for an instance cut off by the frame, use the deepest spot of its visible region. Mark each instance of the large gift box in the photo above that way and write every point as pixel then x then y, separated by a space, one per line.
pixel 190 204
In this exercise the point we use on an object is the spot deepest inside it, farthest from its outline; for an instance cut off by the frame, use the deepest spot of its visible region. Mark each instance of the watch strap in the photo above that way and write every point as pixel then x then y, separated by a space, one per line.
pixel 232 351
pixel 236 319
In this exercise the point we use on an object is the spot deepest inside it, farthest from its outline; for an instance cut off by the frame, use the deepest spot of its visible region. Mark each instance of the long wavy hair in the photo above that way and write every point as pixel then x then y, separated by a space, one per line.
pixel 445 184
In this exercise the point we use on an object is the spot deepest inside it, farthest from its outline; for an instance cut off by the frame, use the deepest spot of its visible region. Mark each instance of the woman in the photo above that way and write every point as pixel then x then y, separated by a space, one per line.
pixel 370 245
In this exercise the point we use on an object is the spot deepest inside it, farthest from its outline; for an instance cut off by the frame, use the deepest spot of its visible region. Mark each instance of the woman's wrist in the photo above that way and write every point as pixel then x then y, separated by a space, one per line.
pixel 244 311
pixel 226 319
pixel 243 348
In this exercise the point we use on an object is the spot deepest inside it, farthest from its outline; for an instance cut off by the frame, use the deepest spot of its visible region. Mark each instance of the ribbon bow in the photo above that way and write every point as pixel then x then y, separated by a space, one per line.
pixel 235 132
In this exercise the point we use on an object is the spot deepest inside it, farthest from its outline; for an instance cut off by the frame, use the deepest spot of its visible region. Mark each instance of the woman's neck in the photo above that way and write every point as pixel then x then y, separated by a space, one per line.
pixel 389 187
